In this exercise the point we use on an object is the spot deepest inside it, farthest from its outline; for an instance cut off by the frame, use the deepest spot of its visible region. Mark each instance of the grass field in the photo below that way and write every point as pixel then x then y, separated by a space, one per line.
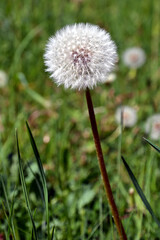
pixel 58 118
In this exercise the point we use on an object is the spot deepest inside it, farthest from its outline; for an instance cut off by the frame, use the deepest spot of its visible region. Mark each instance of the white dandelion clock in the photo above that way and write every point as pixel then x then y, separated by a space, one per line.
pixel 128 116
pixel 111 78
pixel 134 57
pixel 3 79
pixel 80 56
pixel 152 127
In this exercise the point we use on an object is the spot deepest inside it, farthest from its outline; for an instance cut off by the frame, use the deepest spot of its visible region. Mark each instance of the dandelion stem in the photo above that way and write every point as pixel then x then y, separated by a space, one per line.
pixel 104 174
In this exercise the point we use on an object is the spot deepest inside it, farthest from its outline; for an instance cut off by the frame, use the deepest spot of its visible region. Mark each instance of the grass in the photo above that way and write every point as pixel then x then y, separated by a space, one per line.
pixel 77 204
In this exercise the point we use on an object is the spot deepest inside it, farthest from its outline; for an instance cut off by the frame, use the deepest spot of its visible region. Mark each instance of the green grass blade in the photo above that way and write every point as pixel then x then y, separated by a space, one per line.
pixel 38 184
pixel 154 146
pixel 52 233
pixel 32 235
pixel 42 176
pixel 25 189
pixel 96 228
pixel 7 219
pixel 5 195
pixel 11 228
pixel 33 94
pixel 22 46
pixel 140 192
pixel 10 210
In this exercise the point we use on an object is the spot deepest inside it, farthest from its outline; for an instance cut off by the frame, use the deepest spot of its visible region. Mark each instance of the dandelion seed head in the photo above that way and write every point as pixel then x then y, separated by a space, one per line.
pixel 131 191
pixel 134 57
pixel 152 126
pixel 46 138
pixel 128 115
pixel 80 56
pixel 111 78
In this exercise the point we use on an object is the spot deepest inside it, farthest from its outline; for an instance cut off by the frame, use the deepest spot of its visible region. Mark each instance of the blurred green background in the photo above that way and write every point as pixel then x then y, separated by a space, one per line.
pixel 59 120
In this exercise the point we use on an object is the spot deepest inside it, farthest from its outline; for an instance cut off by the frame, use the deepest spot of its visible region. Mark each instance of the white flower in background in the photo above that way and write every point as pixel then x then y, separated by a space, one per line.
pixel 134 57
pixel 3 79
pixel 128 115
pixel 111 78
pixel 152 127
pixel 79 56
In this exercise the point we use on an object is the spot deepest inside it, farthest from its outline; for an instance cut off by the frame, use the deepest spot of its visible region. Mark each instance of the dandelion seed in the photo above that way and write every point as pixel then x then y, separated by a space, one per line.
pixel 80 56
pixel 152 127
pixel 128 115
pixel 3 79
pixel 134 57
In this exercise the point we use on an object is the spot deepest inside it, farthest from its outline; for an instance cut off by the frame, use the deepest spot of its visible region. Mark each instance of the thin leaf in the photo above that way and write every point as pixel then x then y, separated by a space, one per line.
pixel 25 189
pixel 37 97
pixel 42 175
pixel 154 146
pixel 52 233
pixel 140 192
pixel 7 219
pixel 32 235
pixel 5 195
pixel 96 227
pixel 10 210
pixel 33 94
pixel 38 183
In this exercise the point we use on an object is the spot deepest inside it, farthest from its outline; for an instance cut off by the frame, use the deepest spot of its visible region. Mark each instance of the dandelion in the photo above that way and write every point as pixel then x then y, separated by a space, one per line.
pixel 152 126
pixel 127 115
pixel 80 56
pixel 3 79
pixel 134 57
pixel 131 191
pixel 111 78
pixel 46 139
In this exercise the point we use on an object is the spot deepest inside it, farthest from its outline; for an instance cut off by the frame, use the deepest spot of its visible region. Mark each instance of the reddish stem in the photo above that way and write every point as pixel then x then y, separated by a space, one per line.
pixel 104 174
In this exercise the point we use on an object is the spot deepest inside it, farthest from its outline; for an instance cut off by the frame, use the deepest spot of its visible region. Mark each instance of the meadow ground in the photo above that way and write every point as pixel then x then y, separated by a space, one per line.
pixel 59 122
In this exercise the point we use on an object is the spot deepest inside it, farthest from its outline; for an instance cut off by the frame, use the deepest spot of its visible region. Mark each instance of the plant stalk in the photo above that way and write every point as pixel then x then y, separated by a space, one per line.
pixel 104 174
